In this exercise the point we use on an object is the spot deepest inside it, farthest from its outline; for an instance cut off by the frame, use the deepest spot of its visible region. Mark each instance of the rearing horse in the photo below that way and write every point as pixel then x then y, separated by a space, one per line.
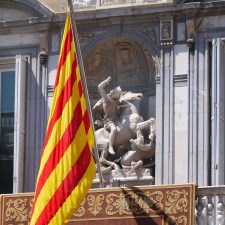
pixel 131 122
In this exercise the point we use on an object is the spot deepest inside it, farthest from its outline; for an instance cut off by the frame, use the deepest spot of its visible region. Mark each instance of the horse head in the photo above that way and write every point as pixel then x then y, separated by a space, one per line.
pixel 131 96
pixel 127 108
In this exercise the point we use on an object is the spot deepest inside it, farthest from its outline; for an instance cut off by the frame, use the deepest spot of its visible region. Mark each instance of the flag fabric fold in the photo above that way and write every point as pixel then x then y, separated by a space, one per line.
pixel 67 168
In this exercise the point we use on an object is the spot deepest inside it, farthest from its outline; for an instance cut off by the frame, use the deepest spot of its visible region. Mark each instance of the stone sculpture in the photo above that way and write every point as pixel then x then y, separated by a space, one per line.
pixel 120 134
pixel 134 158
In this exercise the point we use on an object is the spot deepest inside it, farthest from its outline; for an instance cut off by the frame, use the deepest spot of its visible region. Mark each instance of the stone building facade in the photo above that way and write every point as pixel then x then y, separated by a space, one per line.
pixel 171 51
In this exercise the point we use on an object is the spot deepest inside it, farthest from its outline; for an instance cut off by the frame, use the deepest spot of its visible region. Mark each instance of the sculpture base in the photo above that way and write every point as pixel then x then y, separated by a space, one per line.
pixel 125 178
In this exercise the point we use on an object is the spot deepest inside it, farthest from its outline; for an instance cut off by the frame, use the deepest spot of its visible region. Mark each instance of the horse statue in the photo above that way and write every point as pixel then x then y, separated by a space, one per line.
pixel 131 122
pixel 140 150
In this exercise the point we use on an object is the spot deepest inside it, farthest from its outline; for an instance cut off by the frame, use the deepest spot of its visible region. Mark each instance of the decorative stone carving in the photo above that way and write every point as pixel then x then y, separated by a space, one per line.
pixel 124 149
pixel 113 2
pixel 142 70
pixel 190 26
pixel 134 205
pixel 151 32
pixel 85 37
pixel 166 32
pixel 83 3
pixel 127 64
pixel 16 210
pixel 140 150
pixel 95 67
pixel 43 39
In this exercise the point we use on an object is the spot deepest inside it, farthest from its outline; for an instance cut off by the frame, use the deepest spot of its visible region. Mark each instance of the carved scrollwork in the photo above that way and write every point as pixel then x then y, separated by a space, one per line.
pixel 119 205
pixel 172 220
pixel 31 206
pixel 176 201
pixel 16 210
pixel 134 203
pixel 81 210
pixel 153 201
pixel 95 203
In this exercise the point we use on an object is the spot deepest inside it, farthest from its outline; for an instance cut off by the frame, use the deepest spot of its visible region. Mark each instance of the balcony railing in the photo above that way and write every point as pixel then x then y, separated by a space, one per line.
pixel 78 4
pixel 210 207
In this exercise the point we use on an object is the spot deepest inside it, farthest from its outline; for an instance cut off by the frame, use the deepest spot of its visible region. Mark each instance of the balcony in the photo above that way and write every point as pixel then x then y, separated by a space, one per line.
pixel 167 204
pixel 210 207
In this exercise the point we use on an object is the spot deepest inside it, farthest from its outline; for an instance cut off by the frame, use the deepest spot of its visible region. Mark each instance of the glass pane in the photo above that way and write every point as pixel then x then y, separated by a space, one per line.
pixel 7 91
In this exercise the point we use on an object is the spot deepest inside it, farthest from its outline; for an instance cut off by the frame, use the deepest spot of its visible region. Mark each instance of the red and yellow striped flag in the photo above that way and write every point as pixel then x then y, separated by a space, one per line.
pixel 67 168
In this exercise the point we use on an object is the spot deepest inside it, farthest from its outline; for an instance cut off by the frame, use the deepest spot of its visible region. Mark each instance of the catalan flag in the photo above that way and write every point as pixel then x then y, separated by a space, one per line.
pixel 67 168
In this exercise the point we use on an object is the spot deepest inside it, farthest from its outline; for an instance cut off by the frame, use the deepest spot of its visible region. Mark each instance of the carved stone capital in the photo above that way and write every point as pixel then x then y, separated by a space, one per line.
pixel 43 57
pixel 190 27
pixel 43 40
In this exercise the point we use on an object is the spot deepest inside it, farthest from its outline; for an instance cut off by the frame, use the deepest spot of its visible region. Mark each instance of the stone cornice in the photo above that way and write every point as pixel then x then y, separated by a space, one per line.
pixel 154 11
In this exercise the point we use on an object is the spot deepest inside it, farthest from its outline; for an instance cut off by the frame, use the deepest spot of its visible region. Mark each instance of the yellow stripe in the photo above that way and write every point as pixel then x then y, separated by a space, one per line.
pixel 64 166
pixel 66 30
pixel 76 197
pixel 90 138
pixel 90 134
pixel 65 72
pixel 84 108
pixel 60 126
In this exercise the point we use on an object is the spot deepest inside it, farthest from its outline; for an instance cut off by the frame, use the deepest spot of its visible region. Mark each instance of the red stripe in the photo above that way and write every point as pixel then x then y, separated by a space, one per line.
pixel 80 88
pixel 60 148
pixel 65 50
pixel 86 121
pixel 66 188
pixel 86 116
pixel 62 100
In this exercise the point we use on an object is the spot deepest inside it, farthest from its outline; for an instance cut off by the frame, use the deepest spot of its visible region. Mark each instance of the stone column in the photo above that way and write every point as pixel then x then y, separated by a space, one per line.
pixel 164 109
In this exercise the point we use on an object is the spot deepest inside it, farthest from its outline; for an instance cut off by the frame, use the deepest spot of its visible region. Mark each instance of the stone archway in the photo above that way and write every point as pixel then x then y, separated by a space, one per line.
pixel 22 9
pixel 129 65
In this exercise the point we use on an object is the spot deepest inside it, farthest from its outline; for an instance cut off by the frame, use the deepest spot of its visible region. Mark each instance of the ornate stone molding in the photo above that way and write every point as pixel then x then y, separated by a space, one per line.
pixel 166 32
pixel 43 54
pixel 150 31
pixel 167 204
pixel 190 27
pixel 85 37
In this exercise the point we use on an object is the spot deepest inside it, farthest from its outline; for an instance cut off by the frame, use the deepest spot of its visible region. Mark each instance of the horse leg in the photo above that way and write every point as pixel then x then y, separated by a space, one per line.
pixel 106 162
pixel 142 125
pixel 152 134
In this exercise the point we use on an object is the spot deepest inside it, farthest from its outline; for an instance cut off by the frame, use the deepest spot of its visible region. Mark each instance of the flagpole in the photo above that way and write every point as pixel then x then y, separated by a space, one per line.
pixel 84 84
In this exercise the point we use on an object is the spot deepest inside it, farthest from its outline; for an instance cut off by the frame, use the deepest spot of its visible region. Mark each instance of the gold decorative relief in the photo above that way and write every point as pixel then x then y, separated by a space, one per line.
pixel 18 224
pixel 177 201
pixel 95 203
pixel 31 206
pixel 119 205
pixel 81 210
pixel 153 201
pixel 16 210
pixel 172 220
pixel 134 203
